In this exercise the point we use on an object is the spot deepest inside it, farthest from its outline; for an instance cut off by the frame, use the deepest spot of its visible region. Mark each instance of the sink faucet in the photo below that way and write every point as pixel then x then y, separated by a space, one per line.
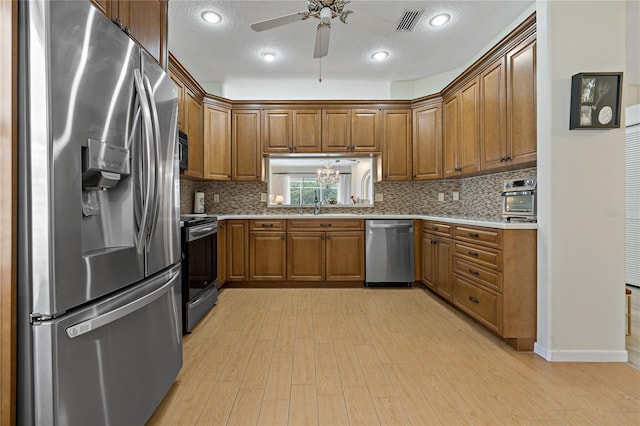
pixel 316 204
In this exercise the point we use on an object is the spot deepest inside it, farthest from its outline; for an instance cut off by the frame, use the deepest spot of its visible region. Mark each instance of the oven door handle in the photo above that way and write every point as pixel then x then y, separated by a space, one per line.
pixel 511 193
pixel 202 232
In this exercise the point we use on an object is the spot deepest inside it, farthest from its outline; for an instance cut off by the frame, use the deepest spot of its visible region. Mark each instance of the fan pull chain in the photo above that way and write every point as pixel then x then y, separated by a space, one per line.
pixel 320 76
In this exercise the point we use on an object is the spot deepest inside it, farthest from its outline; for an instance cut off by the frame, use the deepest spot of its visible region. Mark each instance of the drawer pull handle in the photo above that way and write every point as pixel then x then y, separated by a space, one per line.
pixel 267 225
pixel 474 300
pixel 472 272
pixel 434 228
pixel 434 242
pixel 325 224
pixel 474 235
pixel 473 253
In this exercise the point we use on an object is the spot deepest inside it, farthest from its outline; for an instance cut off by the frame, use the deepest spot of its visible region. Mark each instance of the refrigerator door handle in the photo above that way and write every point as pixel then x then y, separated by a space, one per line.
pixel 109 317
pixel 150 177
pixel 156 131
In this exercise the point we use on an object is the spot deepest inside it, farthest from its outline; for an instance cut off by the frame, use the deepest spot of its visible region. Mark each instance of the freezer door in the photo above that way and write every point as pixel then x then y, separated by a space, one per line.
pixel 78 122
pixel 163 243
pixel 111 363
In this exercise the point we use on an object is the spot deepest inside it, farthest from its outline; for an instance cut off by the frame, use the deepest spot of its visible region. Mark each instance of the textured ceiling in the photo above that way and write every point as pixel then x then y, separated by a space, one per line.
pixel 231 50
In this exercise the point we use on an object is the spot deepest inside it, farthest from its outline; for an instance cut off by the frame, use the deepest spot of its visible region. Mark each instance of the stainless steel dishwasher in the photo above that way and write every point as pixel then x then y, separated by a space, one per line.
pixel 389 252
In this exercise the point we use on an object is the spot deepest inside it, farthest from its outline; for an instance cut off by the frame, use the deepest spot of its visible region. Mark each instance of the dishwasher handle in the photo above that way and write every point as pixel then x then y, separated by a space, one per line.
pixel 390 226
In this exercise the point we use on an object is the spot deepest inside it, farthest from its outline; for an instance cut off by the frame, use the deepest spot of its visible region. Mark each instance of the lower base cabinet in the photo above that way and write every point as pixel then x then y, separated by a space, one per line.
pixel 305 256
pixel 437 263
pixel 267 256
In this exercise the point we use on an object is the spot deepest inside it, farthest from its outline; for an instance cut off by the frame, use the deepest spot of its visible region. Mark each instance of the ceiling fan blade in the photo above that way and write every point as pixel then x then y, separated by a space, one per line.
pixel 282 20
pixel 322 41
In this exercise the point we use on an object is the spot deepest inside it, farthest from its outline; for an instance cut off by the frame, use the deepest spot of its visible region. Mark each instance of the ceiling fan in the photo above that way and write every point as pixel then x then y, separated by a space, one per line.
pixel 324 10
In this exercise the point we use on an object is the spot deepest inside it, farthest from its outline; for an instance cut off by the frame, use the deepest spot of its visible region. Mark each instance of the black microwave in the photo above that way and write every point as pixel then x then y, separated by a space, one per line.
pixel 183 150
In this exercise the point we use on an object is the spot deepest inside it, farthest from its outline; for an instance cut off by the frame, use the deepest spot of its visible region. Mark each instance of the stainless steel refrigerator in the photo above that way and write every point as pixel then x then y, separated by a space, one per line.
pixel 99 320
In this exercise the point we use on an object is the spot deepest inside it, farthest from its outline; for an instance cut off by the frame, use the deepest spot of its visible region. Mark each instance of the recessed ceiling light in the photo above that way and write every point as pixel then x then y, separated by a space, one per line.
pixel 380 55
pixel 269 56
pixel 211 17
pixel 439 20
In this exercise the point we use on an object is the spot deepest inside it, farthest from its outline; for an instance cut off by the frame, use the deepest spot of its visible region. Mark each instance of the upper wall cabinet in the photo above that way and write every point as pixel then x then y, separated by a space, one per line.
pixel 217 143
pixel 336 130
pixel 144 20
pixel 427 142
pixel 365 130
pixel 461 131
pixel 193 118
pixel 245 145
pixel 289 131
pixel 396 140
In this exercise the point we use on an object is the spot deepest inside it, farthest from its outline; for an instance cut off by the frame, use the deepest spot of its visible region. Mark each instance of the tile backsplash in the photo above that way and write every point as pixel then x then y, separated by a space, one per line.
pixel 480 197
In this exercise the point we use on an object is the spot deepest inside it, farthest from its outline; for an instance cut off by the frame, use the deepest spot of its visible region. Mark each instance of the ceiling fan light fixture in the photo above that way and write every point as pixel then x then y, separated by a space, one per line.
pixel 380 55
pixel 269 56
pixel 439 20
pixel 211 17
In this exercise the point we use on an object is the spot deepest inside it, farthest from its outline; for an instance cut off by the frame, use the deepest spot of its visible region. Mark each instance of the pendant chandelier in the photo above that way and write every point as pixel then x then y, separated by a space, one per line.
pixel 328 174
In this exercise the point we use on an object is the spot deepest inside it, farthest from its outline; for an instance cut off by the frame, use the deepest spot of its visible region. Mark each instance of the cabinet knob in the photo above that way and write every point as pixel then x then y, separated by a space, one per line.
pixel 328 237
pixel 283 237
pixel 472 272
pixel 415 175
pixel 507 158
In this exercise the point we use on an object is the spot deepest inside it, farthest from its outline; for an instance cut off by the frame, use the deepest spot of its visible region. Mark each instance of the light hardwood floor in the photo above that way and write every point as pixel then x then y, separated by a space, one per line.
pixel 356 356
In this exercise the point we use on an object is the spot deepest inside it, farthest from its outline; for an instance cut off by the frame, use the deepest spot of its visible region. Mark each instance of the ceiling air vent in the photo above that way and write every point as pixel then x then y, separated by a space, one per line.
pixel 409 20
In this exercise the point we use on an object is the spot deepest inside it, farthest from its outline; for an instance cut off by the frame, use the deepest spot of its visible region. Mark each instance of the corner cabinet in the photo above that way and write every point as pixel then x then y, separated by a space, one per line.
pixel 427 142
pixel 461 119
pixel 193 126
pixel 217 143
pixel 245 145
pixel 396 140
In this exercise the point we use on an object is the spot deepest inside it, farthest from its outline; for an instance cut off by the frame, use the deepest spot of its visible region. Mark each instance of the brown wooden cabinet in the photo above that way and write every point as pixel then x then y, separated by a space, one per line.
pixel 365 130
pixel 427 142
pixel 144 20
pixel 217 143
pixel 521 103
pixel 245 145
pixel 325 250
pixel 193 120
pixel 222 252
pixel 437 258
pixel 267 255
pixel 237 250
pixel 287 131
pixel 460 126
pixel 181 94
pixel 396 141
pixel 493 115
pixel 336 130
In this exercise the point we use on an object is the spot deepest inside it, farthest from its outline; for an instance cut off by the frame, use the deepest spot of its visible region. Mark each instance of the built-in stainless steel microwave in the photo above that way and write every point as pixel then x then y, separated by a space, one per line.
pixel 183 151
pixel 519 199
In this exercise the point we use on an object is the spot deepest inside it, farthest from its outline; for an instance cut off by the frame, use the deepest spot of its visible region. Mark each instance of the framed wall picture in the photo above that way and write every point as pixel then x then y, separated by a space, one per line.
pixel 595 100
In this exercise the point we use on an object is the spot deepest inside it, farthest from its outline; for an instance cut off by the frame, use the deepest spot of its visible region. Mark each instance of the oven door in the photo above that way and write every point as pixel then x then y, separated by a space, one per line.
pixel 518 204
pixel 200 284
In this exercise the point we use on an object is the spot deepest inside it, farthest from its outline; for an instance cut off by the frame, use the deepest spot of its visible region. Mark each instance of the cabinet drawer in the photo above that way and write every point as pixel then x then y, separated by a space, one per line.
pixel 325 225
pixel 482 255
pixel 437 228
pixel 483 304
pixel 487 277
pixel 485 236
pixel 268 224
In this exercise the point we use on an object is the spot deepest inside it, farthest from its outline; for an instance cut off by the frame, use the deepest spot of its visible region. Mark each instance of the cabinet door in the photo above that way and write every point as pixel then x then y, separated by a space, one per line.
pixel 245 145
pixel 443 265
pixel 336 130
pixel 307 130
pixel 267 256
pixel 237 250
pixel 427 143
pixel 147 23
pixel 428 255
pixel 365 130
pixel 217 143
pixel 521 103
pixel 305 256
pixel 396 130
pixel 468 143
pixel 277 135
pixel 193 117
pixel 222 253
pixel 345 256
pixel 181 102
pixel 451 120
pixel 493 116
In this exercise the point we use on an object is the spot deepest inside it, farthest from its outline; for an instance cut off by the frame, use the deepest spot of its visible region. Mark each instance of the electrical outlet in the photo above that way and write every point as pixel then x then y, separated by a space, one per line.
pixel 263 197
pixel 455 195
pixel 216 198
pixel 379 196
pixel 440 196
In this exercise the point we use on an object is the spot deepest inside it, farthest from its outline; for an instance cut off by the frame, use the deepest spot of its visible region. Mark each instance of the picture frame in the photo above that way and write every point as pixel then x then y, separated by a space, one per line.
pixel 595 100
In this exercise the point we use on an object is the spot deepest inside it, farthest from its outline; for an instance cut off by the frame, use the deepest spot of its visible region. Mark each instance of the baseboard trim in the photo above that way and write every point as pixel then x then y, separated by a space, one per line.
pixel 580 355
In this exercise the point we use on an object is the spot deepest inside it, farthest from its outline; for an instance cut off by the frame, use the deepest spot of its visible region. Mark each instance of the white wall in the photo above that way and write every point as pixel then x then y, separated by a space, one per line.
pixel 581 189
pixel 305 89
